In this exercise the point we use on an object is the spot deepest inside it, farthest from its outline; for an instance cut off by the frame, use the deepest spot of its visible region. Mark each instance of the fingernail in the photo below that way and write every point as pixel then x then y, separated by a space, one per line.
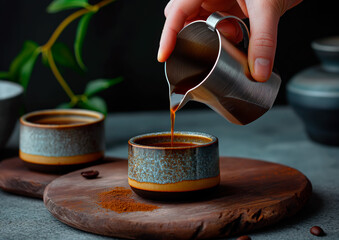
pixel 262 68
pixel 159 55
pixel 160 52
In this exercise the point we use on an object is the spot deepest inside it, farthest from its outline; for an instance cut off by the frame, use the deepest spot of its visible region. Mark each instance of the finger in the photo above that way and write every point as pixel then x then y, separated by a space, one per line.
pixel 231 30
pixel 293 3
pixel 236 10
pixel 218 5
pixel 202 15
pixel 168 7
pixel 230 7
pixel 243 7
pixel 178 13
pixel 264 17
pixel 237 34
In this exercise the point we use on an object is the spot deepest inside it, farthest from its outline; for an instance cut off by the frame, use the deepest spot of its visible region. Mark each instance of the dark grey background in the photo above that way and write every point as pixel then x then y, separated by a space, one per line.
pixel 123 40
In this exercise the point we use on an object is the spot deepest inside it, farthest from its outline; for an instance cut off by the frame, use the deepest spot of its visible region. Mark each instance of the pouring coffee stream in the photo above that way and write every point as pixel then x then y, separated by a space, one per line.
pixel 206 67
pixel 177 94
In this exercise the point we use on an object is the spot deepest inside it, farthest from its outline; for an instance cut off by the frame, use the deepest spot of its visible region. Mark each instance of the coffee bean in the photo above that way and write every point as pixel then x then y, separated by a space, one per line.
pixel 244 238
pixel 90 174
pixel 317 231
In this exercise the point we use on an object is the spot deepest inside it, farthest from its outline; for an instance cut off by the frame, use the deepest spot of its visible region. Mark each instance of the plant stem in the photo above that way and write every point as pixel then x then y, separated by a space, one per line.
pixel 103 3
pixel 58 76
pixel 46 49
pixel 62 26
pixel 70 19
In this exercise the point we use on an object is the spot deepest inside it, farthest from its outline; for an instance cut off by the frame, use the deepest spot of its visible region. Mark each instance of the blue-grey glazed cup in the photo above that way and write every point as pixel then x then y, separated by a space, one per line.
pixel 60 140
pixel 10 100
pixel 314 93
pixel 157 170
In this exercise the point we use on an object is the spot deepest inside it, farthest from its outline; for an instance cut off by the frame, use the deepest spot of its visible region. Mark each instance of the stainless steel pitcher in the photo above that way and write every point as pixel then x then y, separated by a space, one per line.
pixel 224 79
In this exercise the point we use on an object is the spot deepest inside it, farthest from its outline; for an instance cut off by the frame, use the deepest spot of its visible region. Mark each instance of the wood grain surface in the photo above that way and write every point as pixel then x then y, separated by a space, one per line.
pixel 16 178
pixel 252 194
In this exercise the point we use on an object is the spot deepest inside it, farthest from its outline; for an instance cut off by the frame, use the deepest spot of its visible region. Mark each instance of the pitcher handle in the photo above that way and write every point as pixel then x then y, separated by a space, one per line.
pixel 215 18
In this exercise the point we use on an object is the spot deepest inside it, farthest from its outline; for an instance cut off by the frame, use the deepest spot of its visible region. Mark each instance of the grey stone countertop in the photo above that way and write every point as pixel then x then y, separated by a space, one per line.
pixel 278 137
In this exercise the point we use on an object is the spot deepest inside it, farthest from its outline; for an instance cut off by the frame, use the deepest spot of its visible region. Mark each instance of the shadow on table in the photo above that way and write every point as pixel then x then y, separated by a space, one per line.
pixel 6 153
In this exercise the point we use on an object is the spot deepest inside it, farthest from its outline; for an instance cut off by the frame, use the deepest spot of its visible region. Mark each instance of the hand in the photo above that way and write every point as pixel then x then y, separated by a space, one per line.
pixel 263 15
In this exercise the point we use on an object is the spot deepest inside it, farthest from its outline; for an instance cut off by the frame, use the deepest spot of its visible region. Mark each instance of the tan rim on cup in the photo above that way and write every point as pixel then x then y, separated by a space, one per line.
pixel 173 169
pixel 62 137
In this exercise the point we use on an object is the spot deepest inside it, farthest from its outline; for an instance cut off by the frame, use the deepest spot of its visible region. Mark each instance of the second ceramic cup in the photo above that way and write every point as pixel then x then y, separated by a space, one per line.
pixel 157 170
pixel 61 140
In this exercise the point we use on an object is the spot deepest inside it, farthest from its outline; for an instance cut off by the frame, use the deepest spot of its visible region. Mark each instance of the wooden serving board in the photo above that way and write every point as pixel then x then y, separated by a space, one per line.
pixel 16 178
pixel 252 194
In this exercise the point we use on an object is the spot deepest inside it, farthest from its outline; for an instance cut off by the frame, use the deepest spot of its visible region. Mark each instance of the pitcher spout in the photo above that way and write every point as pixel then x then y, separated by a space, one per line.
pixel 177 101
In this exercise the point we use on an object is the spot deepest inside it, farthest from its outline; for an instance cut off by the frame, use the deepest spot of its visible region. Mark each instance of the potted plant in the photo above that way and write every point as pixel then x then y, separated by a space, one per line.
pixel 55 53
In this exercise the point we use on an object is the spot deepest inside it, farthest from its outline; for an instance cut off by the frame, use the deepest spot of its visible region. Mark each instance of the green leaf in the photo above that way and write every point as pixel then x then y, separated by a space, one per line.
pixel 4 75
pixel 59 5
pixel 95 103
pixel 26 52
pixel 64 56
pixel 79 38
pixel 99 85
pixel 27 68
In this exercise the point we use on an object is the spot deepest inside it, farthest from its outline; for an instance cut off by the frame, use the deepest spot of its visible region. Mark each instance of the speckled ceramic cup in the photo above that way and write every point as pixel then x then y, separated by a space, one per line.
pixel 61 140
pixel 10 101
pixel 156 170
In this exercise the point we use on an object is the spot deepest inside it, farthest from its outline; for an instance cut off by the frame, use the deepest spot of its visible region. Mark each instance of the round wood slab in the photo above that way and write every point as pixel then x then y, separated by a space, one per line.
pixel 252 194
pixel 16 178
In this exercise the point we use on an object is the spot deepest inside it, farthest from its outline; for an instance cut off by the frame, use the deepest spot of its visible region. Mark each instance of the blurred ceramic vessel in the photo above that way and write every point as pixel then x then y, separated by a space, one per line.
pixel 314 93
pixel 10 100
pixel 61 140
pixel 156 170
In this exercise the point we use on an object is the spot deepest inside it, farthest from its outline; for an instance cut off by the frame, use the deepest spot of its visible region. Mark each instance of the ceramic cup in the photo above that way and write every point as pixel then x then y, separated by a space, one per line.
pixel 61 140
pixel 10 100
pixel 156 170
pixel 314 93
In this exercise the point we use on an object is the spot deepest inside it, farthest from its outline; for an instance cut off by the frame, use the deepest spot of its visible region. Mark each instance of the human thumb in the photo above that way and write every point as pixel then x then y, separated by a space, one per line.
pixel 264 17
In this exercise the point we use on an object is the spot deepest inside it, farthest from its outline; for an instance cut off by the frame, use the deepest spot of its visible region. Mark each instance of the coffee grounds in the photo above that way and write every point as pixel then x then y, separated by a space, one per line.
pixel 119 200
